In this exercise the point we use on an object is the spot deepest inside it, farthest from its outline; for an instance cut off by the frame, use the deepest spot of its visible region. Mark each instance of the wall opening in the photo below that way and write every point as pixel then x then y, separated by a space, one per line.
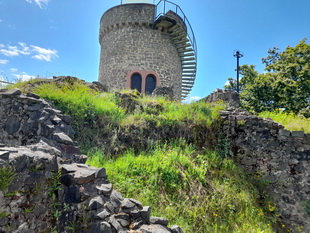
pixel 143 81
pixel 150 84
pixel 136 82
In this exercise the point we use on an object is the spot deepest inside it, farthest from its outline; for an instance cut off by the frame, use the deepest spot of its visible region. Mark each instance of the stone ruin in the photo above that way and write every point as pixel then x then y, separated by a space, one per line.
pixel 278 156
pixel 52 189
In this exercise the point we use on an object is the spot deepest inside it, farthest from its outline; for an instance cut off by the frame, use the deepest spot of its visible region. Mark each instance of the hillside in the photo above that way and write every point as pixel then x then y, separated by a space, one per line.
pixel 181 159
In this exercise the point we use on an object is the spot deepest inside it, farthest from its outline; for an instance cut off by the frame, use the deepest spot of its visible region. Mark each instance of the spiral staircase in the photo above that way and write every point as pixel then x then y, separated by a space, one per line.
pixel 170 17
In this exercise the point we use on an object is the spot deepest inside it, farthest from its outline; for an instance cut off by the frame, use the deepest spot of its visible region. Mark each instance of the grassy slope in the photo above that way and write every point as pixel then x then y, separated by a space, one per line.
pixel 195 188
pixel 289 120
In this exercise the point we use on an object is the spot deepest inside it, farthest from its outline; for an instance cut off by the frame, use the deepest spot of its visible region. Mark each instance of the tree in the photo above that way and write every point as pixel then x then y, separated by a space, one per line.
pixel 286 84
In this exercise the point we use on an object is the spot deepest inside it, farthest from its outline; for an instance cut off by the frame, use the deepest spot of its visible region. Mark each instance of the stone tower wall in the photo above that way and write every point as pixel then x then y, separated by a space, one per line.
pixel 129 42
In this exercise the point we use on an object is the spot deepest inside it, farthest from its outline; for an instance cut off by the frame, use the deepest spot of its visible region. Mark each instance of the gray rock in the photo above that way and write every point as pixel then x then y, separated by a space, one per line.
pixel 145 214
pixel 298 134
pixel 13 92
pixel 176 229
pixel 154 229
pixel 103 214
pixel 12 124
pixel 159 220
pixel 96 203
pixel 104 189
pixel 4 155
pixel 32 95
pixel 62 138
pixel 100 227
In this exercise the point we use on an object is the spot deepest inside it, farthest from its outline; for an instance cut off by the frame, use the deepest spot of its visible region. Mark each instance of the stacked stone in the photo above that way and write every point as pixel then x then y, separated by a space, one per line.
pixel 52 189
pixel 228 96
pixel 279 156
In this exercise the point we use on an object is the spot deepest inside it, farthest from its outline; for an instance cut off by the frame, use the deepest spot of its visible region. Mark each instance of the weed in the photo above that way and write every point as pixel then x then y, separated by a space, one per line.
pixel 7 175
pixel 4 214
pixel 307 207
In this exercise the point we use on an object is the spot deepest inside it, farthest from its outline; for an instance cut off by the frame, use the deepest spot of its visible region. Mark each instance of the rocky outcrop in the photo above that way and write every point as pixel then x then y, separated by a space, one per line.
pixel 279 157
pixel 45 185
pixel 227 96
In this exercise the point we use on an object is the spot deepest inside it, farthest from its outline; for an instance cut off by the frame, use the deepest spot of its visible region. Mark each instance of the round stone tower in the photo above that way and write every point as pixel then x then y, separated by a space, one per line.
pixel 139 50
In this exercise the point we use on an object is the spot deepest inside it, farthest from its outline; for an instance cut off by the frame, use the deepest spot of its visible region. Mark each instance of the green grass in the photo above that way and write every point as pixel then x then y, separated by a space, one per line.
pixel 7 174
pixel 289 120
pixel 201 192
pixel 110 115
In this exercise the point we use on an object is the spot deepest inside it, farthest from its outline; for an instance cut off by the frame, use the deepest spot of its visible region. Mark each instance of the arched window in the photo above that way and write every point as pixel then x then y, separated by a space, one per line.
pixel 136 82
pixel 150 84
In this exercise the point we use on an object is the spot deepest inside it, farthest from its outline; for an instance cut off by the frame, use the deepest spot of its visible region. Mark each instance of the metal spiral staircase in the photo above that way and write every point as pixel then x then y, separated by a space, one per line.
pixel 171 17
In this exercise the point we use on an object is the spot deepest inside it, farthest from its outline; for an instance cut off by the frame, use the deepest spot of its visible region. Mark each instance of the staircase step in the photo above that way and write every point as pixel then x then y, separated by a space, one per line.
pixel 177 31
pixel 174 27
pixel 187 54
pixel 188 59
pixel 185 45
pixel 188 79
pixel 188 82
pixel 188 67
pixel 185 50
pixel 188 63
pixel 180 37
pixel 187 75
pixel 187 87
pixel 183 41
pixel 188 71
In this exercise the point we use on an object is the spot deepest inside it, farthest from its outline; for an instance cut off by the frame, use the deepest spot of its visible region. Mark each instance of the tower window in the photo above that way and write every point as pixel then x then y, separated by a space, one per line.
pixel 150 84
pixel 143 81
pixel 136 82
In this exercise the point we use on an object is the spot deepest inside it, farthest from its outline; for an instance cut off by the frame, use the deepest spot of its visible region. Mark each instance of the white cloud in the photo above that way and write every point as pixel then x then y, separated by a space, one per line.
pixel 191 99
pixel 44 54
pixel 23 49
pixel 40 3
pixel 3 62
pixel 13 70
pixel 22 77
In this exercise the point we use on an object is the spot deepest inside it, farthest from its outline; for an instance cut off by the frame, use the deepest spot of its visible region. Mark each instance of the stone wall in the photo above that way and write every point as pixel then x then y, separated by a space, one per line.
pixel 51 189
pixel 278 156
pixel 129 42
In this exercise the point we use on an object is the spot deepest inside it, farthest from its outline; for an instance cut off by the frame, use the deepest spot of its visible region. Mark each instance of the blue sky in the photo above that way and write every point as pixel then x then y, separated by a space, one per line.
pixel 60 37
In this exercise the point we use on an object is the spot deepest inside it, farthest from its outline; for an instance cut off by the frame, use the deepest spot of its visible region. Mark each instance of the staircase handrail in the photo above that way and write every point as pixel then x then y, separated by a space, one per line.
pixel 166 7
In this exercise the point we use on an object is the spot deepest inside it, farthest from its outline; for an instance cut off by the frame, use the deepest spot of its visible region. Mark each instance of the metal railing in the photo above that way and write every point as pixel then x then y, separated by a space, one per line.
pixel 163 6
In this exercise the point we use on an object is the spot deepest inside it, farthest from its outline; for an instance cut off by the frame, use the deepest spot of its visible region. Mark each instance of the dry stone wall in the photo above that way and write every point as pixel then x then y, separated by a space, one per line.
pixel 278 156
pixel 51 189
